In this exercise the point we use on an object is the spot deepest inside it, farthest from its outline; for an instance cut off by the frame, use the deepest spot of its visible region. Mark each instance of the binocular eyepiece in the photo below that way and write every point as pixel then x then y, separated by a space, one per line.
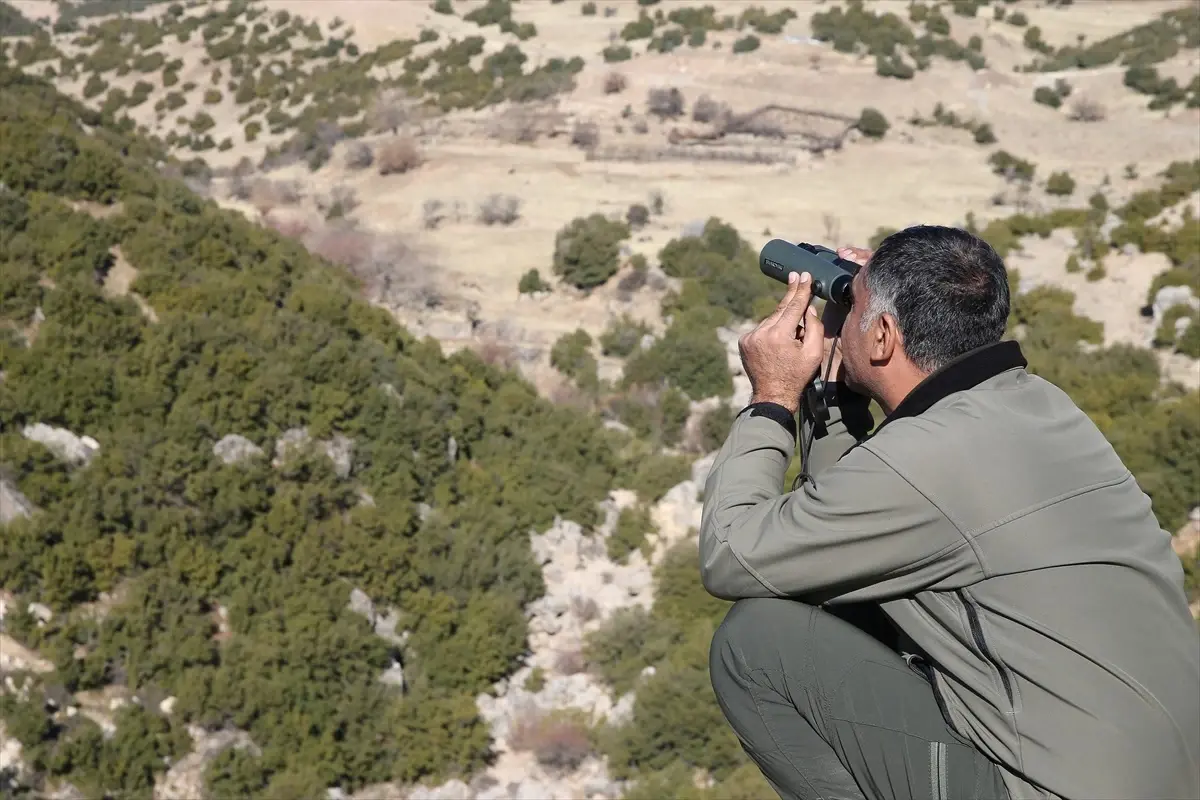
pixel 831 275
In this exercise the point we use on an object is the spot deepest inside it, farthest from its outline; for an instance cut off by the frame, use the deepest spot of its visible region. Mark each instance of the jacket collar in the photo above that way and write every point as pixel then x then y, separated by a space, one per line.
pixel 965 372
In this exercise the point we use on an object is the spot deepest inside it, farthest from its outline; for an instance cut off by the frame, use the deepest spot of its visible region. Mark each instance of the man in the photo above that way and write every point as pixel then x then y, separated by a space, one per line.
pixel 1039 644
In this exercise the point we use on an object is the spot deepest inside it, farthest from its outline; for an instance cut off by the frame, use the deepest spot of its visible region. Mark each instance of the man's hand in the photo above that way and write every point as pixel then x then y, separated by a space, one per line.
pixel 859 255
pixel 781 356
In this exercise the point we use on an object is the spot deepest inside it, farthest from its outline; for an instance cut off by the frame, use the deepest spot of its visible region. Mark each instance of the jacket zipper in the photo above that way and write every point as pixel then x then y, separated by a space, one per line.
pixel 927 671
pixel 981 643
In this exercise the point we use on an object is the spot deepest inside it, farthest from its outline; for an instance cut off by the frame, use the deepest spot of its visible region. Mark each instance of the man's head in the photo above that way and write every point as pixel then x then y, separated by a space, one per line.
pixel 928 295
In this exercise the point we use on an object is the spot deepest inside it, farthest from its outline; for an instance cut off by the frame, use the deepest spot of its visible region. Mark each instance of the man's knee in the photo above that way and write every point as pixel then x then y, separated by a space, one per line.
pixel 758 633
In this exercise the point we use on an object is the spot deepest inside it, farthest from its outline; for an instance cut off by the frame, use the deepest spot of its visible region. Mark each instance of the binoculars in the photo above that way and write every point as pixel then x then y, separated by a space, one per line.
pixel 831 276
pixel 831 281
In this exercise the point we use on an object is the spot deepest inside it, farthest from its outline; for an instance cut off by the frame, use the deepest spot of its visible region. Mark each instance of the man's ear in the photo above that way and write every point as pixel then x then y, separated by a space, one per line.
pixel 885 339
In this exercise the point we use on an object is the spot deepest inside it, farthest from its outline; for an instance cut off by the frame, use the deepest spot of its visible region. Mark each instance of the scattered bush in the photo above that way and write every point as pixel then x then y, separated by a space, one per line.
pixel 629 534
pixel 637 216
pixel 622 336
pixel 1086 110
pixel 983 134
pixel 641 28
pixel 558 740
pixel 398 156
pixel 706 109
pixel 499 209
pixel 873 124
pixel 665 103
pixel 531 283
pixel 1010 167
pixel 616 53
pixel 585 135
pixel 714 428
pixel 746 44
pixel 657 416
pixel 536 680
pixel 201 123
pixel 614 83
pixel 359 155
pixel 95 85
pixel 212 97
pixel 668 40
pixel 1047 97
pixel 689 356
pixel 571 355
pixel 1060 184
pixel 587 250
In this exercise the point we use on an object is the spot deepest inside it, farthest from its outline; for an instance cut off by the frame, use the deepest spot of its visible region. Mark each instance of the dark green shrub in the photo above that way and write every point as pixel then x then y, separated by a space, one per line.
pixel 984 135
pixel 616 53
pixel 746 44
pixel 95 85
pixel 872 124
pixel 666 41
pixel 714 427
pixel 531 282
pixel 622 336
pixel 571 355
pixel 641 28
pixel 628 642
pixel 587 250
pixel 763 22
pixel 656 416
pixel 629 534
pixel 1010 167
pixel 1047 97
pixel 689 357
pixel 1060 184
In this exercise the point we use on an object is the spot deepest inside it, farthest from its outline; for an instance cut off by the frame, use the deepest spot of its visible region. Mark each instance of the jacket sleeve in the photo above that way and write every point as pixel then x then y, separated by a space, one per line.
pixel 862 533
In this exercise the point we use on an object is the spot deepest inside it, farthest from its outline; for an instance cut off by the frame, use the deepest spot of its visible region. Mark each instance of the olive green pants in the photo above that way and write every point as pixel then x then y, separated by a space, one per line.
pixel 827 710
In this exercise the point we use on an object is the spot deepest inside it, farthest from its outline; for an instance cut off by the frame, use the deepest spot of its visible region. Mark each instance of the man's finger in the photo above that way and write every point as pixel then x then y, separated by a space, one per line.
pixel 793 287
pixel 813 343
pixel 793 312
pixel 859 255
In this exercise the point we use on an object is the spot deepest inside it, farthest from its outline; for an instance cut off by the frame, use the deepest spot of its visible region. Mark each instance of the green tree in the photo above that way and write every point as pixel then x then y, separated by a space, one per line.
pixel 571 355
pixel 587 251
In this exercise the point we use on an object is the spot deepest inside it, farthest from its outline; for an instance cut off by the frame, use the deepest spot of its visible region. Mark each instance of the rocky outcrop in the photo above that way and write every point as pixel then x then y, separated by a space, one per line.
pixel 583 590
pixel 234 448
pixel 12 768
pixel 1186 541
pixel 78 450
pixel 13 504
pixel 185 779
pixel 338 448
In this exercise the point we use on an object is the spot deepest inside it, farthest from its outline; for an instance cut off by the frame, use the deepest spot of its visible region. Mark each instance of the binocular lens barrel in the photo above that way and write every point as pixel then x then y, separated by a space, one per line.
pixel 831 276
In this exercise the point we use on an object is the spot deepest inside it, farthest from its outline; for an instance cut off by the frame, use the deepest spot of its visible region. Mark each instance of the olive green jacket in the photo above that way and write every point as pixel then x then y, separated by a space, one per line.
pixel 1001 534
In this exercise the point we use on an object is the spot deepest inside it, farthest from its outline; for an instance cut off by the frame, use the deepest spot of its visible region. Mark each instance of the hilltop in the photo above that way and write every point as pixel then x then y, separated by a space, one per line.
pixel 360 362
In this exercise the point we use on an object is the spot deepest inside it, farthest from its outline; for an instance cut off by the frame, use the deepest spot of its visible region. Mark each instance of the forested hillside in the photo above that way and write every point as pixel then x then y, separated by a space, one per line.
pixel 254 337
pixel 175 570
